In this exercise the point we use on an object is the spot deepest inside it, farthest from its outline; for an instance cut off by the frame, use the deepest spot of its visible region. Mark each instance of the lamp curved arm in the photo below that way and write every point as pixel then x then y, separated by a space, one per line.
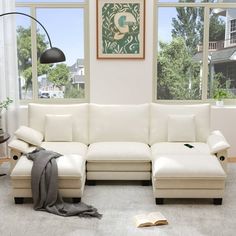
pixel 24 14
pixel 51 55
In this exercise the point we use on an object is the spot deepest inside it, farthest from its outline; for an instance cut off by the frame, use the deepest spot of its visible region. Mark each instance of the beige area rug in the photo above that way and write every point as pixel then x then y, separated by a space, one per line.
pixel 119 203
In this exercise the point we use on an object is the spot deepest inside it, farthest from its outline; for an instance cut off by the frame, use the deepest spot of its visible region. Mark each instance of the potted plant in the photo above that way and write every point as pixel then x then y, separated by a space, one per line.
pixel 219 95
pixel 3 105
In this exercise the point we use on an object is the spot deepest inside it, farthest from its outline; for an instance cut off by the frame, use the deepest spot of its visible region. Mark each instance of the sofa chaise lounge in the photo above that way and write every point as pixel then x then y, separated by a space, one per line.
pixel 143 142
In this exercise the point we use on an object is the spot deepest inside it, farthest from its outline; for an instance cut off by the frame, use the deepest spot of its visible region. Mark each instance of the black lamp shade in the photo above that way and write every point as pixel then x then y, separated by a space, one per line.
pixel 52 55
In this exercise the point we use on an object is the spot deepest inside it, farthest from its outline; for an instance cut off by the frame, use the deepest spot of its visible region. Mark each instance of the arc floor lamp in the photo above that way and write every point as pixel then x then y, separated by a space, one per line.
pixel 51 55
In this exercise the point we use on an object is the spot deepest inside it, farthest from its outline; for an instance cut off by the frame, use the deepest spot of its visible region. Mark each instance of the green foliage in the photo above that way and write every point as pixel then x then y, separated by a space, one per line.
pixel 5 103
pixel 24 48
pixel 178 74
pixel 220 94
pixel 186 26
pixel 216 25
pixel 189 24
pixel 59 75
pixel 73 92
pixel 220 89
pixel 24 54
pixel 216 29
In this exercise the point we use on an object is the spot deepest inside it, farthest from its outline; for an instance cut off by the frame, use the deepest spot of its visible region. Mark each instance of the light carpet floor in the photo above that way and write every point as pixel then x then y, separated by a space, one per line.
pixel 119 203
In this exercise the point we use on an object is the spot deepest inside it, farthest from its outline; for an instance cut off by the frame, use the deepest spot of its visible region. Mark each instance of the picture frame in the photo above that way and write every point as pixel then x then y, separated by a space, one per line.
pixel 120 29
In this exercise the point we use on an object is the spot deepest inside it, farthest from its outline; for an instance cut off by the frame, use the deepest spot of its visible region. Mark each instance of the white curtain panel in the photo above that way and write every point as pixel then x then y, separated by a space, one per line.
pixel 9 86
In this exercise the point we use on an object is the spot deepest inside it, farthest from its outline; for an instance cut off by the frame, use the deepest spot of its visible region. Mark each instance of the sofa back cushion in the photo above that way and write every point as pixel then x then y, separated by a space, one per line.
pixel 119 123
pixel 79 114
pixel 55 134
pixel 181 128
pixel 160 114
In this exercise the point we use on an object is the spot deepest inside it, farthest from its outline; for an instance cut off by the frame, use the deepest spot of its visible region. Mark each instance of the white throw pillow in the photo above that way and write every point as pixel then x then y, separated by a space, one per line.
pixel 58 128
pixel 29 135
pixel 181 128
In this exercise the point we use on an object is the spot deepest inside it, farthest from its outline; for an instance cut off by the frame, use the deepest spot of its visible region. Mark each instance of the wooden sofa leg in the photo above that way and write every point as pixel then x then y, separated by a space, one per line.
pixel 19 200
pixel 76 199
pixel 159 201
pixel 217 201
pixel 91 182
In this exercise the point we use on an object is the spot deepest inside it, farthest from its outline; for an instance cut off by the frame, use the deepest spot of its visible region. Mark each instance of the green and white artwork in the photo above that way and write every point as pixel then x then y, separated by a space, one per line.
pixel 120 29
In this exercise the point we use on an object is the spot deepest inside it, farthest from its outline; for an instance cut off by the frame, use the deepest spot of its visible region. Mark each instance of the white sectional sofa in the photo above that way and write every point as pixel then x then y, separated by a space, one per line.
pixel 143 142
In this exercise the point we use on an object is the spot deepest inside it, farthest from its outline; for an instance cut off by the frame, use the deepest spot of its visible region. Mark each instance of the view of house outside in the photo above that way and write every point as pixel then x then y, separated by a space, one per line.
pixel 180 36
pixel 65 27
pixel 222 55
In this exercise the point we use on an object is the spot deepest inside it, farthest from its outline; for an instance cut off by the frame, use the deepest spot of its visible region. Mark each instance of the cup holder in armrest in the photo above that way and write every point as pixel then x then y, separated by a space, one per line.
pixel 15 157
pixel 222 158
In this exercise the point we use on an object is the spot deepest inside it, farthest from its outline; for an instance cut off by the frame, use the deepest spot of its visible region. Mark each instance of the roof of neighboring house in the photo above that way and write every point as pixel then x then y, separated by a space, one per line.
pixel 78 63
pixel 222 55
pixel 78 79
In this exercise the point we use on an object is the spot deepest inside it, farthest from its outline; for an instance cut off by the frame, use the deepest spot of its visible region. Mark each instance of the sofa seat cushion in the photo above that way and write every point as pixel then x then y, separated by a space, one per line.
pixel 187 167
pixel 174 148
pixel 118 151
pixel 66 148
pixel 119 166
pixel 71 169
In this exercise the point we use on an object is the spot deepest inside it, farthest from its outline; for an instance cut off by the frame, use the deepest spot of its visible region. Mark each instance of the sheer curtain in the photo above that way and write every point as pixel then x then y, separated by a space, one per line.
pixel 9 86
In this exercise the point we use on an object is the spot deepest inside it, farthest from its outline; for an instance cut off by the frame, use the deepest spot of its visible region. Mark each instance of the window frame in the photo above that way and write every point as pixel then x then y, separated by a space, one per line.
pixel 206 7
pixel 232 31
pixel 233 25
pixel 33 6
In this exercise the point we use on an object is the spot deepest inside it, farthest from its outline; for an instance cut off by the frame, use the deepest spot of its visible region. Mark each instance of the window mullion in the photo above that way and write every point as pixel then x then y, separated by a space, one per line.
pixel 86 52
pixel 155 49
pixel 205 53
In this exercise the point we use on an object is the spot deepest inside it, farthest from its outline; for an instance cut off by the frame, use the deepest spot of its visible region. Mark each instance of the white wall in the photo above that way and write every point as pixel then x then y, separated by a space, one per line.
pixel 120 81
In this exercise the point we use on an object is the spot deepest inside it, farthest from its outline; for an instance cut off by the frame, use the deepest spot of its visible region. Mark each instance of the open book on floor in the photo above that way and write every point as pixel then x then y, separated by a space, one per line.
pixel 150 219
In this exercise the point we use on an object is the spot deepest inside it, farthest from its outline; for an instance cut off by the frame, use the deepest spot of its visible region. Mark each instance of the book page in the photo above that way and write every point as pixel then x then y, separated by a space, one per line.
pixel 156 218
pixel 142 220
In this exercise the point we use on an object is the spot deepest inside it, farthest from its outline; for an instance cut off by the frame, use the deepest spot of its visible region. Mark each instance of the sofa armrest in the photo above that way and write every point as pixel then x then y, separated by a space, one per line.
pixel 217 142
pixel 18 145
pixel 17 149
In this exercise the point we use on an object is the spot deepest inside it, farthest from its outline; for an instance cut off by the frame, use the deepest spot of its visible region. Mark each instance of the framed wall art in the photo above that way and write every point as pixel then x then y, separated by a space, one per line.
pixel 120 29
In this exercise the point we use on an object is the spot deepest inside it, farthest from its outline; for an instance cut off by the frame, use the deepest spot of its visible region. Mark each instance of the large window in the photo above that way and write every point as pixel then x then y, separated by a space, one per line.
pixel 179 34
pixel 195 49
pixel 222 53
pixel 65 23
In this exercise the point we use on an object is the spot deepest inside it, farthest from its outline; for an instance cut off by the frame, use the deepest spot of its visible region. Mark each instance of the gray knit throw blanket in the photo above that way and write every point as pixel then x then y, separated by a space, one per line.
pixel 44 184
